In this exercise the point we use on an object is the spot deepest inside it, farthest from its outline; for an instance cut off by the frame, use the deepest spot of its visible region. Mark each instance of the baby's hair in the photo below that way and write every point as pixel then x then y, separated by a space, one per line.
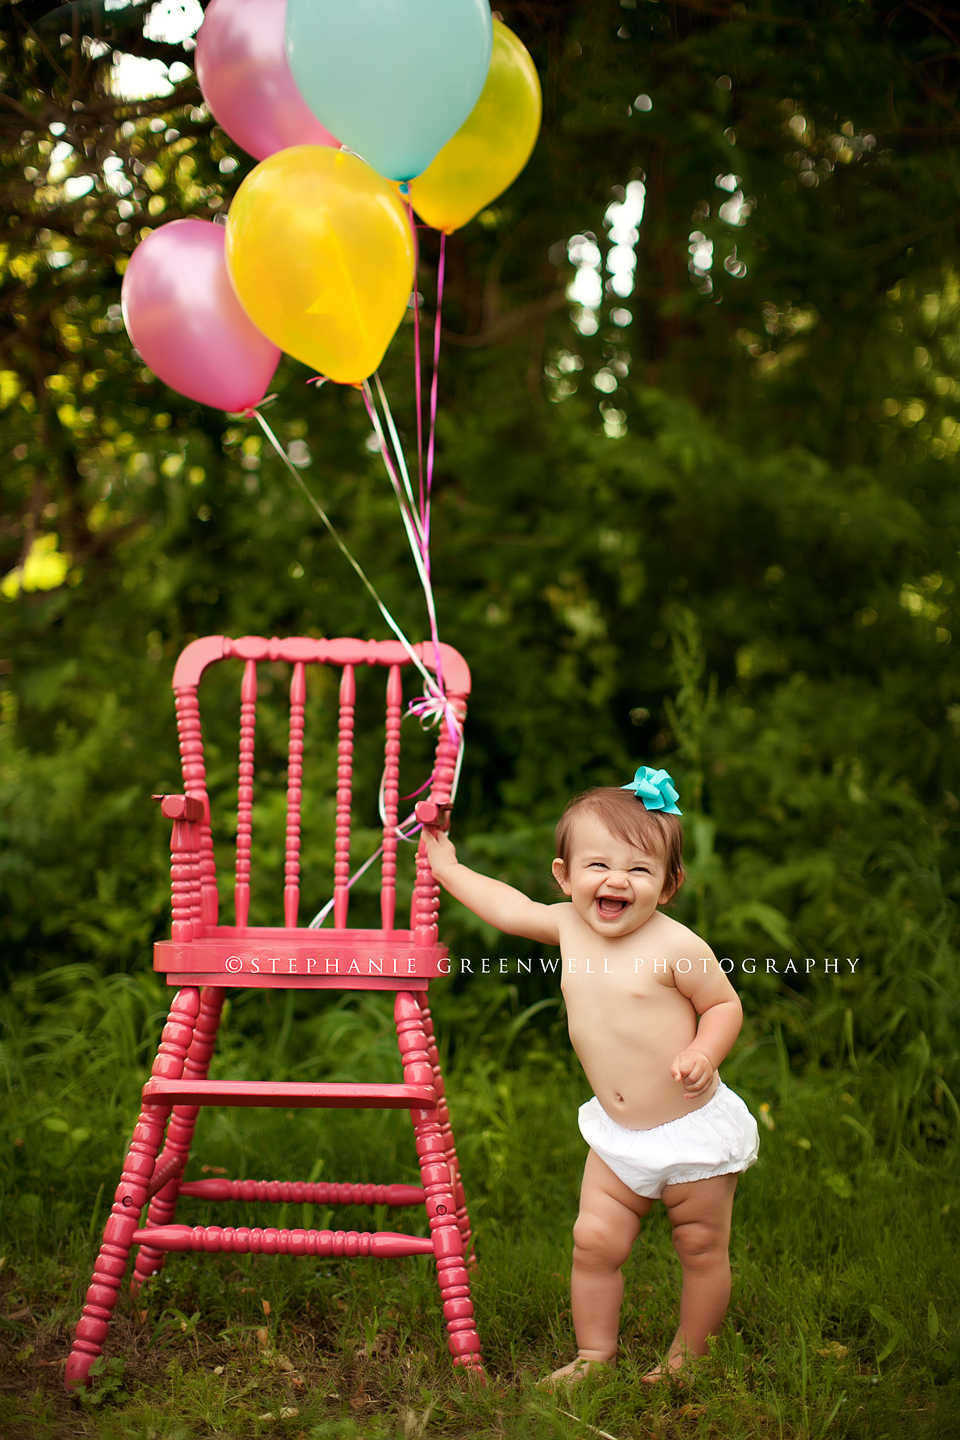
pixel 628 819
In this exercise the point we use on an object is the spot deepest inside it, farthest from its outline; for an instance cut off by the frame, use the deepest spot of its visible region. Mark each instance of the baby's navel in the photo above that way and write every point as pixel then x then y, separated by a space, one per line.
pixel 618 1097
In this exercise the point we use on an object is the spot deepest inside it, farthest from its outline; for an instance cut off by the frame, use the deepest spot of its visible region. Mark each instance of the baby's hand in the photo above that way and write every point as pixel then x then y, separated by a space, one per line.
pixel 441 851
pixel 694 1070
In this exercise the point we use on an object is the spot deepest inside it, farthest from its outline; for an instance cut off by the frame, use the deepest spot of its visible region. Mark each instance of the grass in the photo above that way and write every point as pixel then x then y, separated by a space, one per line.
pixel 844 1317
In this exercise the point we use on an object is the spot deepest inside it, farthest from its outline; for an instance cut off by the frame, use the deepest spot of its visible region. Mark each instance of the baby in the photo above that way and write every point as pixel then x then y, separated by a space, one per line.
pixel 662 1125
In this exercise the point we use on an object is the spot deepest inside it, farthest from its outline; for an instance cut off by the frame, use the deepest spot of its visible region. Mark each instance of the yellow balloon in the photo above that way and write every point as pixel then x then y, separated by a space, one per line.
pixel 320 253
pixel 492 145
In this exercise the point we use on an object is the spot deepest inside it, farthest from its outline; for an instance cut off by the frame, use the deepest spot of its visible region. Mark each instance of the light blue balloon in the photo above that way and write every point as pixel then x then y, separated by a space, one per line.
pixel 392 79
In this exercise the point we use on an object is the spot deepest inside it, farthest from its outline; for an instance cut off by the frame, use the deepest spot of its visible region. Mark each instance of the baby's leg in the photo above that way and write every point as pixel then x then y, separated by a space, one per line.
pixel 700 1213
pixel 608 1224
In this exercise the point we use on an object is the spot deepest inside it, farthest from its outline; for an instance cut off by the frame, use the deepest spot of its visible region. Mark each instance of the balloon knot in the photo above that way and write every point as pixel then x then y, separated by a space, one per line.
pixel 432 708
pixel 404 187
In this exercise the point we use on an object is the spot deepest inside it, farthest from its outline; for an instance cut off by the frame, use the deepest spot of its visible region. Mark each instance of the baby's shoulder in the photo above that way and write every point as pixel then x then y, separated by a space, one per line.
pixel 565 915
pixel 679 941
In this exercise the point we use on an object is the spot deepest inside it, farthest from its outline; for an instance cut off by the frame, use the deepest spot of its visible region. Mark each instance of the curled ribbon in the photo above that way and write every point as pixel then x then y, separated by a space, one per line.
pixel 432 707
pixel 655 790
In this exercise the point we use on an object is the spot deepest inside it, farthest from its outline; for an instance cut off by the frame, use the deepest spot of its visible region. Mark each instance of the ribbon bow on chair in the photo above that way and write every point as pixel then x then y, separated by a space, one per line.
pixel 654 788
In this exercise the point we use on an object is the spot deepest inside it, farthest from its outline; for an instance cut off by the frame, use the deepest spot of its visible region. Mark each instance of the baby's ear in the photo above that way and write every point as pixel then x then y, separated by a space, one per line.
pixel 670 889
pixel 560 875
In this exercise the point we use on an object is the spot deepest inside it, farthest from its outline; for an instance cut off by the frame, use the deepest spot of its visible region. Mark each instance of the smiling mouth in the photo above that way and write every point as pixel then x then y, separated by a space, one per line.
pixel 609 907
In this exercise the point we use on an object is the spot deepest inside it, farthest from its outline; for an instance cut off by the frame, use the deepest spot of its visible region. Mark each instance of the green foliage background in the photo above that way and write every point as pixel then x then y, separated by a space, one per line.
pixel 739 562
pixel 753 583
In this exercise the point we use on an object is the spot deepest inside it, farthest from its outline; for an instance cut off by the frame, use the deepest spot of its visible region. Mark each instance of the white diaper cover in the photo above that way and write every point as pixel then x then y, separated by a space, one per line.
pixel 718 1139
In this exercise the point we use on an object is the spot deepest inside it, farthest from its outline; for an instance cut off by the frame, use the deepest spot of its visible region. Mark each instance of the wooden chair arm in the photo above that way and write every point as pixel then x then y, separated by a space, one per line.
pixel 179 807
pixel 428 812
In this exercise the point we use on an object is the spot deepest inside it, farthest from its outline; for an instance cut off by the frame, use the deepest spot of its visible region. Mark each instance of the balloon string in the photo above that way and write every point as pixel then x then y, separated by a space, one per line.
pixel 419 546
pixel 394 472
pixel 434 383
pixel 417 376
pixel 417 540
pixel 429 681
pixel 400 458
pixel 406 830
pixel 321 915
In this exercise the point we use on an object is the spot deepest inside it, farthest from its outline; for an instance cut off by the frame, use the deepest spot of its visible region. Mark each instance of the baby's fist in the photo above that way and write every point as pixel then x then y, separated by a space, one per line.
pixel 440 850
pixel 694 1070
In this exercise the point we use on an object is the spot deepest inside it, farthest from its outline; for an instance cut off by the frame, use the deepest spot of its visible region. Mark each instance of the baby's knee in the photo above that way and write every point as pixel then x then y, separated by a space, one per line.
pixel 595 1243
pixel 696 1242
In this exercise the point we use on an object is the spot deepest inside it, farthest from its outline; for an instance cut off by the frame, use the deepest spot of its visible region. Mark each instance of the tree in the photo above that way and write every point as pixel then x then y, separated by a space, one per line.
pixel 748 448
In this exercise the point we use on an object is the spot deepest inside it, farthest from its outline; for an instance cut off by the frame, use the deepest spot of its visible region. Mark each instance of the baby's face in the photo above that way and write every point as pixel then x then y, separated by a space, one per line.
pixel 614 885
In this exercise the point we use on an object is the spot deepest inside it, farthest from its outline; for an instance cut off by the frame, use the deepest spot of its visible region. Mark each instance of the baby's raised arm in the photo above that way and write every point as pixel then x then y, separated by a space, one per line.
pixel 498 904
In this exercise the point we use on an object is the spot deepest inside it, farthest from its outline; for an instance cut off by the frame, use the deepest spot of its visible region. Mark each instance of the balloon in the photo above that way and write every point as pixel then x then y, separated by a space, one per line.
pixel 245 77
pixel 492 145
pixel 393 78
pixel 182 315
pixel 320 253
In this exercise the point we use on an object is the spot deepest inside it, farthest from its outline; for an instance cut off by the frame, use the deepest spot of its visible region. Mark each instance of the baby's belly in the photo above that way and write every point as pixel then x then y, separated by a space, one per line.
pixel 630 1072
pixel 640 1104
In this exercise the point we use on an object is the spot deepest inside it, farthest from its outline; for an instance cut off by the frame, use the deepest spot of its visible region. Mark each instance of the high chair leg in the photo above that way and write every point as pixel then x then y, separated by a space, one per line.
pixel 176 1149
pixel 446 1130
pixel 462 1337
pixel 138 1169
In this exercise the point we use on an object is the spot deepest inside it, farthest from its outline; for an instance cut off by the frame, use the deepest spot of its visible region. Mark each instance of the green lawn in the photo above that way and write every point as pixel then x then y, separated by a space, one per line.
pixel 845 1303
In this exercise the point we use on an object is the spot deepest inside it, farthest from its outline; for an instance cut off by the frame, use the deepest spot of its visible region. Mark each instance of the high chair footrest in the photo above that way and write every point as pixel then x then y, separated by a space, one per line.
pixel 214 1239
pixel 330 1096
pixel 304 1192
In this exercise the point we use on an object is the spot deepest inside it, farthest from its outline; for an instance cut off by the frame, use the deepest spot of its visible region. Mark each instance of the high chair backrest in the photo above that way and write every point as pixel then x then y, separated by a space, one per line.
pixel 194 874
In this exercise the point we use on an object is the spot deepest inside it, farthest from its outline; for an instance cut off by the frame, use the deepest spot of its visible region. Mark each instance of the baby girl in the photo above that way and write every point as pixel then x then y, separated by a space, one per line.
pixel 651 1017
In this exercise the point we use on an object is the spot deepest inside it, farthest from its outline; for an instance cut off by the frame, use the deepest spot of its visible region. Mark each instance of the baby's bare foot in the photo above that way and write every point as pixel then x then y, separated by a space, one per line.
pixel 578 1369
pixel 670 1371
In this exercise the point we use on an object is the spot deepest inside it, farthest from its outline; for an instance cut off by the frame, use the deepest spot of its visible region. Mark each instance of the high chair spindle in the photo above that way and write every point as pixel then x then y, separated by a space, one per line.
pixel 291 872
pixel 391 799
pixel 341 864
pixel 248 728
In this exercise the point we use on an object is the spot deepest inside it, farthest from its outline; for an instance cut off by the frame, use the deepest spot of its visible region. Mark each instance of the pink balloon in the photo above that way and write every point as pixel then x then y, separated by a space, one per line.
pixel 245 77
pixel 182 315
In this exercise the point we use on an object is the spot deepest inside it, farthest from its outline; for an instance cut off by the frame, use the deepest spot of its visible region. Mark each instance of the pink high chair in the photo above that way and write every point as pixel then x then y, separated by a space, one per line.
pixel 206 959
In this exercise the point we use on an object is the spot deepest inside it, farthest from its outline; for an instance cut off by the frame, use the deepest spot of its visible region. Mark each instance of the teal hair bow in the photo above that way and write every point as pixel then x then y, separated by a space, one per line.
pixel 655 789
